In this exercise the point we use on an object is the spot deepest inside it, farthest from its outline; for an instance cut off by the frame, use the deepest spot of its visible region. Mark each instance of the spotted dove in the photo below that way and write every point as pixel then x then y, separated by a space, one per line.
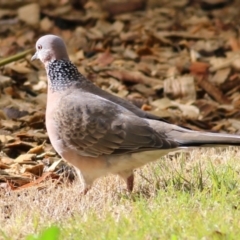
pixel 99 133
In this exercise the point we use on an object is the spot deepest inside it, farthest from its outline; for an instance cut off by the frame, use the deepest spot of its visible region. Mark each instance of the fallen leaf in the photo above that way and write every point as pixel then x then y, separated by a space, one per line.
pixel 36 169
pixel 34 17
pixel 220 76
pixel 104 59
pixel 212 90
pixel 181 87
pixel 133 77
pixel 189 111
pixel 25 158
pixel 37 150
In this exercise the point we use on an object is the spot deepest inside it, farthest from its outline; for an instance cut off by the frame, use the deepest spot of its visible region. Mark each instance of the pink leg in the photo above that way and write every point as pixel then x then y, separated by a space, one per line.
pixel 130 183
pixel 129 179
pixel 85 191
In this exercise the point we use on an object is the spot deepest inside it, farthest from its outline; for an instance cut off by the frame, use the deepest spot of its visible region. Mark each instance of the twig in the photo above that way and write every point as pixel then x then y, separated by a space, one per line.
pixel 15 57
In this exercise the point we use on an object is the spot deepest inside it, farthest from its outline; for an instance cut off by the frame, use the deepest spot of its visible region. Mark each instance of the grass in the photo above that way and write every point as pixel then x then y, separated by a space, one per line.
pixel 190 195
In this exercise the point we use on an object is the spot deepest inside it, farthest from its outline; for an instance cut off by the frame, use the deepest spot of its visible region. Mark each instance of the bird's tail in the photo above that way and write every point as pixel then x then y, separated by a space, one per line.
pixel 189 138
pixel 193 139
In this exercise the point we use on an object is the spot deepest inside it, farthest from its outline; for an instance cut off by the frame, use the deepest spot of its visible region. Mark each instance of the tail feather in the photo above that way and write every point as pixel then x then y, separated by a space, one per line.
pixel 189 138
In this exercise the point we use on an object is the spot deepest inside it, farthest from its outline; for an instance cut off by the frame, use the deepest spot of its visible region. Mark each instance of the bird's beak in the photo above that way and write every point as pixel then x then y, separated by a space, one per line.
pixel 35 56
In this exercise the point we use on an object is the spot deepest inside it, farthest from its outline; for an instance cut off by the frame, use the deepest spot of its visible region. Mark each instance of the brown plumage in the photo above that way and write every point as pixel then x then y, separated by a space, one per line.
pixel 100 133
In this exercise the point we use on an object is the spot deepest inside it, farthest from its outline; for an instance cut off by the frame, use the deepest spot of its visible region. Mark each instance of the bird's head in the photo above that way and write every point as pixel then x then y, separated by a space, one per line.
pixel 49 48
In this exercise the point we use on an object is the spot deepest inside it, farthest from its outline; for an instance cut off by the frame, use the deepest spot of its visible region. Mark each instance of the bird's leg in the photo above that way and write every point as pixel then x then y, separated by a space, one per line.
pixel 85 190
pixel 86 182
pixel 130 183
pixel 128 178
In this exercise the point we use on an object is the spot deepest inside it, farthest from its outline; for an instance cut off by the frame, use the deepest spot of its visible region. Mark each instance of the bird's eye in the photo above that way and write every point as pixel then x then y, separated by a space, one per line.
pixel 39 47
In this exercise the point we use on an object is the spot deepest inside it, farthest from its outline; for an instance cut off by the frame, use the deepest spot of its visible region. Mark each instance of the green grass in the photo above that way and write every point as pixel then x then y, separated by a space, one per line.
pixel 179 197
pixel 168 216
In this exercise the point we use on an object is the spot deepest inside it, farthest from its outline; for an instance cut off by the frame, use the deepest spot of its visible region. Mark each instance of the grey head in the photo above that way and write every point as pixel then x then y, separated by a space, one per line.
pixel 49 48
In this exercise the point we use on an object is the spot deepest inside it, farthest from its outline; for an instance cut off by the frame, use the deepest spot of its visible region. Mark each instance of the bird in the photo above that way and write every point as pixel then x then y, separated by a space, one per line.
pixel 100 133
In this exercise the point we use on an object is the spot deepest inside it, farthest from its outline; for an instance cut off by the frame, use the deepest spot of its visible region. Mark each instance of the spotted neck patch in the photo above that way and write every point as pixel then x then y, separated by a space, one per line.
pixel 62 74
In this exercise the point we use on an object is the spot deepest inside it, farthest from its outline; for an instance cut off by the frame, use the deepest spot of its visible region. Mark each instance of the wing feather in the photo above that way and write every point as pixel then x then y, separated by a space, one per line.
pixel 95 126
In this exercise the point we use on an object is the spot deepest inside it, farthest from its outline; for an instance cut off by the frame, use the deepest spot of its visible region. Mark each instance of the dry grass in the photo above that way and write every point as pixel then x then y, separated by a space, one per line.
pixel 198 172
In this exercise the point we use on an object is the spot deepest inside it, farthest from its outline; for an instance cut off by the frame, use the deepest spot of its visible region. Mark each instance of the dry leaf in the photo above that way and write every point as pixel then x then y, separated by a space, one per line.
pixel 212 90
pixel 25 158
pixel 34 17
pixel 221 76
pixel 104 59
pixel 133 77
pixel 189 111
pixel 36 169
pixel 37 149
pixel 180 87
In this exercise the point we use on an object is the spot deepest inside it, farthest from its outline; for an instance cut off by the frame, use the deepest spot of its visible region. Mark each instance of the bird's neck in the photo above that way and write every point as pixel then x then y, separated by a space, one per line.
pixel 62 74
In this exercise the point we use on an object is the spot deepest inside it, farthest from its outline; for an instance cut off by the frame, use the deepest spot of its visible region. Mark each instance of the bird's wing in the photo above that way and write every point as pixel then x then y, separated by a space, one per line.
pixel 91 88
pixel 94 126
